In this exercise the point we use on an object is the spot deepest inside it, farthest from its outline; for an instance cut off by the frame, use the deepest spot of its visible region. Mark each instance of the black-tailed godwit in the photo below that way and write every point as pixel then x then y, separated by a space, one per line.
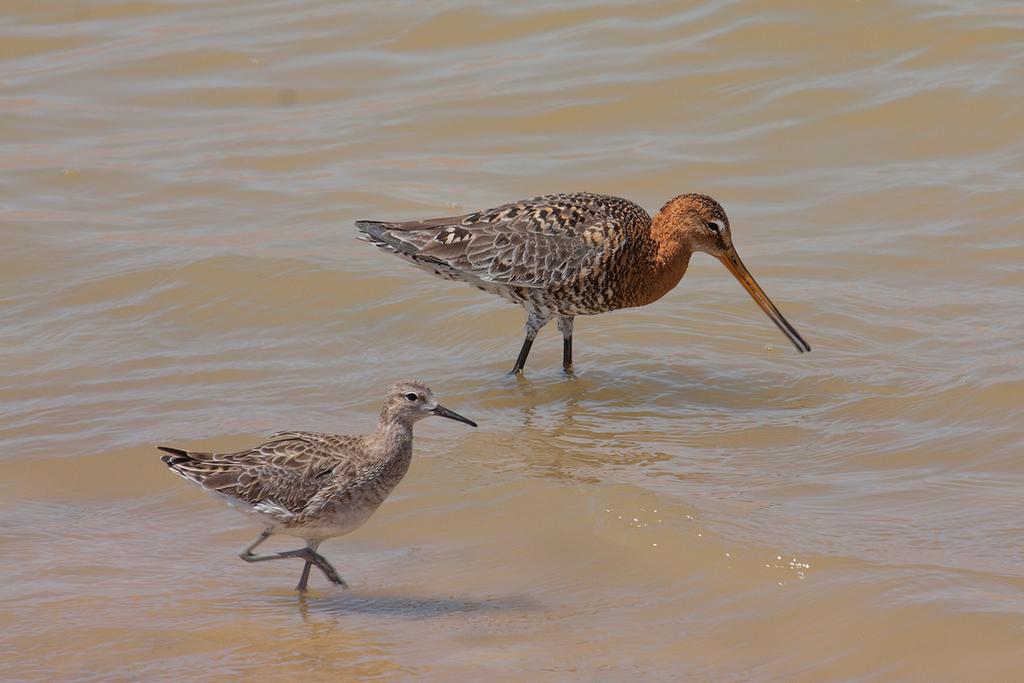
pixel 563 255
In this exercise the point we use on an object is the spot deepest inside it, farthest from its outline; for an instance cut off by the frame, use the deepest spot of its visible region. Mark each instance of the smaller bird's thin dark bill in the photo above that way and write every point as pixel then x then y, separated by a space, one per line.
pixel 452 415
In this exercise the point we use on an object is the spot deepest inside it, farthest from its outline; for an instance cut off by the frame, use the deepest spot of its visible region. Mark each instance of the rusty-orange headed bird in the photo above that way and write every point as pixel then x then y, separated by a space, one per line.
pixel 563 255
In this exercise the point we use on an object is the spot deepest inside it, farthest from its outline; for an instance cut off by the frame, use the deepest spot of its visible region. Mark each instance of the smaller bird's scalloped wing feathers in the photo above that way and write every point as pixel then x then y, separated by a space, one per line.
pixel 278 477
pixel 533 243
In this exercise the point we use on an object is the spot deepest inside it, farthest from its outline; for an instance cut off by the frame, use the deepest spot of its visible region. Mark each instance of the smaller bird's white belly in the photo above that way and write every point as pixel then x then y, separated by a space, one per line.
pixel 339 523
pixel 336 521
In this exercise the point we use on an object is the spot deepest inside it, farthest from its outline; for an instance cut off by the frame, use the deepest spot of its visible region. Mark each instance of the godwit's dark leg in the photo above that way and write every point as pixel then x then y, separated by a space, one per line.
pixel 524 351
pixel 565 326
pixel 308 554
pixel 534 321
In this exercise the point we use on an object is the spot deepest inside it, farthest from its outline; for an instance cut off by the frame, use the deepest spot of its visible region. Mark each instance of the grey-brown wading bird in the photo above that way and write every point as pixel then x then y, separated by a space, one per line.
pixel 315 486
pixel 564 255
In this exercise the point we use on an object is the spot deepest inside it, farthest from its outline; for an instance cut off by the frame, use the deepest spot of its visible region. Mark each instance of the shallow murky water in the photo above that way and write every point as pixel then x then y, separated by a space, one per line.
pixel 178 185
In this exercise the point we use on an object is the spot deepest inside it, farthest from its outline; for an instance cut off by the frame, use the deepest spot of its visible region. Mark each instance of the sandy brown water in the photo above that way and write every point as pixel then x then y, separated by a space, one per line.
pixel 178 182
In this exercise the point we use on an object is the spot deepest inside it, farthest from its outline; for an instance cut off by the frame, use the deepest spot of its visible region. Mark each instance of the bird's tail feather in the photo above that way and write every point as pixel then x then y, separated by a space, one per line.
pixel 380 234
pixel 176 457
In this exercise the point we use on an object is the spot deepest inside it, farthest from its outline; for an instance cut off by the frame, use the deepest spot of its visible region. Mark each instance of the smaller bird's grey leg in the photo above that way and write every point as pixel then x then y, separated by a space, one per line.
pixel 534 321
pixel 565 326
pixel 304 579
pixel 264 535
pixel 308 554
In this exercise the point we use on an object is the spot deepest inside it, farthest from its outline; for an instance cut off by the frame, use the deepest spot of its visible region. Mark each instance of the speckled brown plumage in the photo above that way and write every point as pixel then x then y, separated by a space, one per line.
pixel 312 485
pixel 565 255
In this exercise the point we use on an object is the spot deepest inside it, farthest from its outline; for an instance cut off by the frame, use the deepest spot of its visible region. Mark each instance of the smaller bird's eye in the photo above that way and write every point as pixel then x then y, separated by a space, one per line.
pixel 411 397
pixel 714 227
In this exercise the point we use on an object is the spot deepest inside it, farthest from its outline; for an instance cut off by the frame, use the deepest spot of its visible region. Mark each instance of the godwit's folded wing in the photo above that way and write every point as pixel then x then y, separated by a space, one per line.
pixel 533 243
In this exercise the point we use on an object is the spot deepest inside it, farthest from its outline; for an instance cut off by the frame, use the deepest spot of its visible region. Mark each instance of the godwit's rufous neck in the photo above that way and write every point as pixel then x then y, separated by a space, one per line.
pixel 671 256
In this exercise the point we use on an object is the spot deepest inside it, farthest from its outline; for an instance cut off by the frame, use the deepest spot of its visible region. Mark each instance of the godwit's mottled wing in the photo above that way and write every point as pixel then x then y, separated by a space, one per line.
pixel 279 478
pixel 533 243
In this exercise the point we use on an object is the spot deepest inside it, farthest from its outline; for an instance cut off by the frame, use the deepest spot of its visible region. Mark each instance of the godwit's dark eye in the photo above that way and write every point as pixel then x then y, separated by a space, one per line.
pixel 714 227
pixel 411 397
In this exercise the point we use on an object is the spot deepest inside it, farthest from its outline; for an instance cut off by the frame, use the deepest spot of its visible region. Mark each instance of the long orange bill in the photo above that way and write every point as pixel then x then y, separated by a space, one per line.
pixel 732 261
